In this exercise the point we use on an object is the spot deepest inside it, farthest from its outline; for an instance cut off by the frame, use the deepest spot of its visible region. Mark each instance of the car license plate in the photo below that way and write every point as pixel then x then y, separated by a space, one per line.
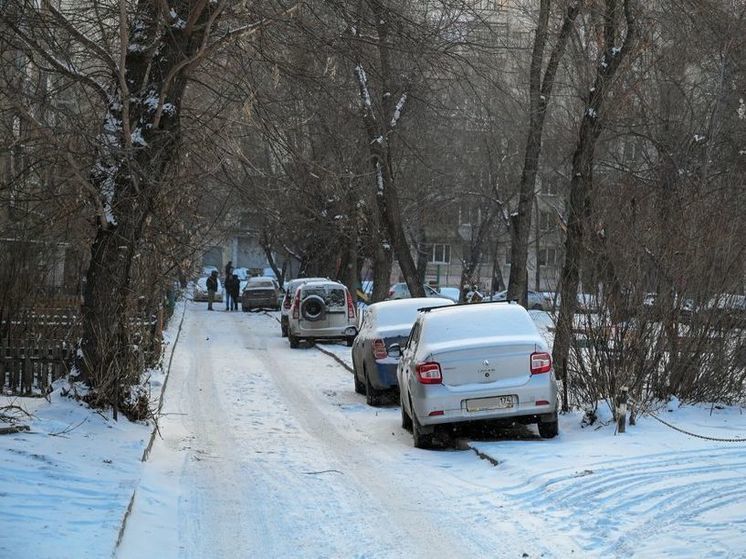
pixel 494 403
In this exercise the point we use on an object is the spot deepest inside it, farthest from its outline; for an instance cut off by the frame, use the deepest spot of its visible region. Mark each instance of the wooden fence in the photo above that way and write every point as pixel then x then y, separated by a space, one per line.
pixel 39 347
pixel 29 366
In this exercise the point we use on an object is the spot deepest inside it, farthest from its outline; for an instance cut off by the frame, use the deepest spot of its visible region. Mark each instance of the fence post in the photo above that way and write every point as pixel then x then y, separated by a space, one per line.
pixel 621 410
pixel 2 364
pixel 27 380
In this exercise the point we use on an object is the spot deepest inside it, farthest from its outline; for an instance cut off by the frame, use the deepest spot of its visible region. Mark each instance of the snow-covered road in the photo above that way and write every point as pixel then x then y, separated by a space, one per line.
pixel 268 452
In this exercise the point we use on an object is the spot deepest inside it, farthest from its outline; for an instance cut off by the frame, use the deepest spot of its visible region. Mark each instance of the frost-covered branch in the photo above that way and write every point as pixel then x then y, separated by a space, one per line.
pixel 81 37
pixel 61 66
pixel 398 110
pixel 362 82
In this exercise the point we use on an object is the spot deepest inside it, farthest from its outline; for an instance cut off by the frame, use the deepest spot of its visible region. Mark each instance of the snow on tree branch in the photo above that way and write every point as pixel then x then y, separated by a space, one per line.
pixel 398 110
pixel 362 80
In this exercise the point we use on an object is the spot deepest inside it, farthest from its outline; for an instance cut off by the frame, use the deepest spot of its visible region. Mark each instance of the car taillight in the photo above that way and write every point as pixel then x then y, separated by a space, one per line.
pixel 429 373
pixel 391 294
pixel 379 349
pixel 296 305
pixel 350 306
pixel 541 362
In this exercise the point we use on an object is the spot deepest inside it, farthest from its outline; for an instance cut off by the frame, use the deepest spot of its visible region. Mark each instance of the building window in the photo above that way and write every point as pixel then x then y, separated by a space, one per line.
pixel 468 214
pixel 545 221
pixel 466 254
pixel 550 188
pixel 438 253
pixel 548 257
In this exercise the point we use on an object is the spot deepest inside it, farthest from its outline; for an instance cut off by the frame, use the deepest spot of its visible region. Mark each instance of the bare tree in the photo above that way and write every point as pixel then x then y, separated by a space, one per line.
pixel 618 39
pixel 540 87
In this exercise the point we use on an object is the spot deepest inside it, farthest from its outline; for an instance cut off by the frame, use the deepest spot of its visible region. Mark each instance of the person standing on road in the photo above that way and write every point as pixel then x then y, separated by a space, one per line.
pixel 226 283
pixel 212 288
pixel 235 289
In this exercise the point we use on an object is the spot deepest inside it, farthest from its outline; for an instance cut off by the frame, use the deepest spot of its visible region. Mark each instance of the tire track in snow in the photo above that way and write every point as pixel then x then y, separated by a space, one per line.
pixel 624 504
pixel 462 515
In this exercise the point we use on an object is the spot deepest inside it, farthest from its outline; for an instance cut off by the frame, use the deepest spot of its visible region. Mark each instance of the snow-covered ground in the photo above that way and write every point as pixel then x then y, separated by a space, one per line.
pixel 268 452
pixel 65 485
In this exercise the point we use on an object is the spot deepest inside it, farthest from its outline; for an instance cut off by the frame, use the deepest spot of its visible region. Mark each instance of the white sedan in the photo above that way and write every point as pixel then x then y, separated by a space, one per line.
pixel 476 362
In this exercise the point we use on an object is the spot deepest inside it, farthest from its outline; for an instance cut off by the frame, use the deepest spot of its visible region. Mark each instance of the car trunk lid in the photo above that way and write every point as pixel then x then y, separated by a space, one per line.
pixel 505 361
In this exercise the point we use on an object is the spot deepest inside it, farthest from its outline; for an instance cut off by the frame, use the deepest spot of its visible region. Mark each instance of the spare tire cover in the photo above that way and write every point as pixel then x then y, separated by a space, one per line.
pixel 313 308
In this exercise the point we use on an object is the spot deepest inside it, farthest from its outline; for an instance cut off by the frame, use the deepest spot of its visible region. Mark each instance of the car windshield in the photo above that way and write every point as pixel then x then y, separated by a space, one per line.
pixel 333 296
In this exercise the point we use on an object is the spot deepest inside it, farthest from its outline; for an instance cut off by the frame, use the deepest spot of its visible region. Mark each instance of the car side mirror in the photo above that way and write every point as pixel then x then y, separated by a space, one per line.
pixel 394 350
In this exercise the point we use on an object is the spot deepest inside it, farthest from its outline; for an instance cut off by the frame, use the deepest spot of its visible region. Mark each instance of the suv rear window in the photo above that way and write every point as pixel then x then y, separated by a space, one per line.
pixel 260 284
pixel 333 296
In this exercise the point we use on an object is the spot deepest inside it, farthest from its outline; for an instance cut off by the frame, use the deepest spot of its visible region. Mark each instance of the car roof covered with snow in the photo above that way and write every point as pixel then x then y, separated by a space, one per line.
pixel 396 317
pixel 398 311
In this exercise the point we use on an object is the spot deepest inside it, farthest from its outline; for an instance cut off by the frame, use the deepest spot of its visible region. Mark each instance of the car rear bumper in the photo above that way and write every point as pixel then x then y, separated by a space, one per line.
pixel 259 302
pixel 383 376
pixel 427 399
pixel 339 332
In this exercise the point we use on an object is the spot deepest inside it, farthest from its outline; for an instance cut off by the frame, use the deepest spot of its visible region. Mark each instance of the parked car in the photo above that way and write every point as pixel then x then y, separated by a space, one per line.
pixel 452 293
pixel 287 300
pixel 322 310
pixel 207 270
pixel 385 323
pixel 536 301
pixel 473 363
pixel 242 273
pixel 260 293
pixel 684 307
pixel 401 291
pixel 200 291
pixel 728 310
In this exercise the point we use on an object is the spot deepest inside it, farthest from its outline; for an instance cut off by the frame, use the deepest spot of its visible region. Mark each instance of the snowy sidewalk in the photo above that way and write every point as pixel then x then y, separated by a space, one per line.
pixel 66 484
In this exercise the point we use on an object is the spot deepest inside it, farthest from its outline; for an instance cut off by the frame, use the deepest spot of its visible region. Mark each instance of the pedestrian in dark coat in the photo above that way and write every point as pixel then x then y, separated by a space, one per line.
pixel 235 291
pixel 212 288
pixel 228 275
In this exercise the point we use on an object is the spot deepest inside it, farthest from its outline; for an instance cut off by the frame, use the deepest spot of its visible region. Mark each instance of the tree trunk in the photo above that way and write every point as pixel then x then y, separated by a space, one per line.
pixel 139 149
pixel 537 247
pixel 379 136
pixel 579 202
pixel 381 272
pixel 540 91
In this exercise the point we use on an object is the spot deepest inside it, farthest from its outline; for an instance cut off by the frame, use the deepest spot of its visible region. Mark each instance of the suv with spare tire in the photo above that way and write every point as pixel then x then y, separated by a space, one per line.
pixel 322 310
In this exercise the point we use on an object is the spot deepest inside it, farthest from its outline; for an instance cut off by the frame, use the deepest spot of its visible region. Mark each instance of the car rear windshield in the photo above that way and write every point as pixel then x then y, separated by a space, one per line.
pixel 333 296
pixel 479 321
pixel 260 284
pixel 405 312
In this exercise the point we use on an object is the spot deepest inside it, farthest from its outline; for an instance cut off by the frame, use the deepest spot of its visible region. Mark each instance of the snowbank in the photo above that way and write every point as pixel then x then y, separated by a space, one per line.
pixel 652 492
pixel 67 482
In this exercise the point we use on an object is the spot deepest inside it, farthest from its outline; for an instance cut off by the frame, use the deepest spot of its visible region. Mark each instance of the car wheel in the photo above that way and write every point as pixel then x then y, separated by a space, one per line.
pixel 537 308
pixel 406 421
pixel 350 341
pixel 294 341
pixel 244 308
pixel 421 439
pixel 549 429
pixel 372 396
